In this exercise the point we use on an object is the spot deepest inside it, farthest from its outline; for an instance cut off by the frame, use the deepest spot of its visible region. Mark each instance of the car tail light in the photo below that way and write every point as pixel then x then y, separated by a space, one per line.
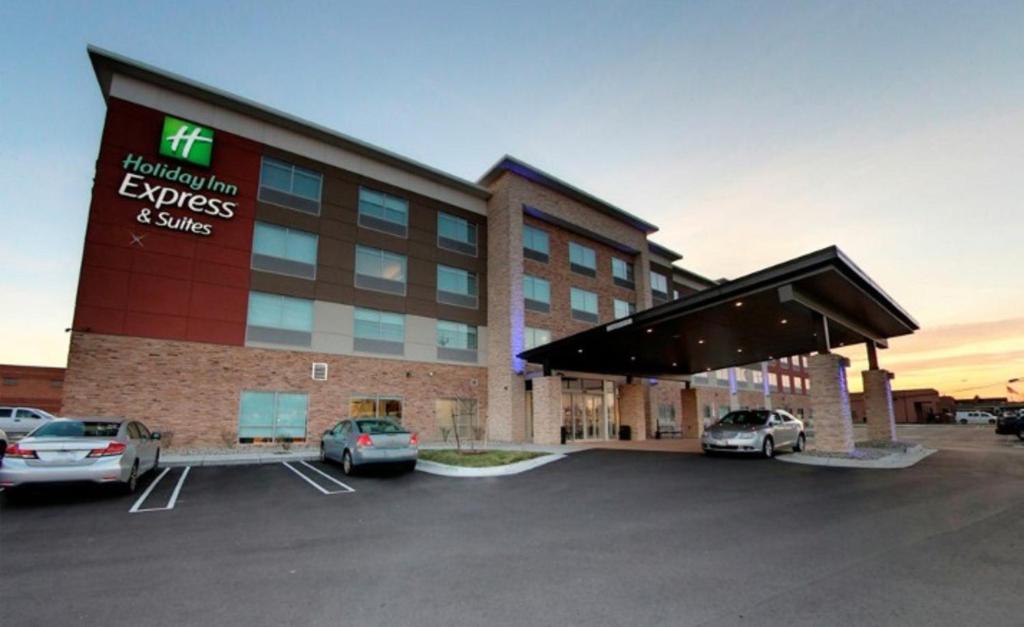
pixel 15 451
pixel 414 439
pixel 364 440
pixel 114 448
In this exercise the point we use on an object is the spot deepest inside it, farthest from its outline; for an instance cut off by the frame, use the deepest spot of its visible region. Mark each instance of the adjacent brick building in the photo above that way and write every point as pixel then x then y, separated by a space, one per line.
pixel 32 386
pixel 249 277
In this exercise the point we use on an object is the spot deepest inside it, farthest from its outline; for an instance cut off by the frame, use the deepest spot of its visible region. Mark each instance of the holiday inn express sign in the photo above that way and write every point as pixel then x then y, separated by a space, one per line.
pixel 170 206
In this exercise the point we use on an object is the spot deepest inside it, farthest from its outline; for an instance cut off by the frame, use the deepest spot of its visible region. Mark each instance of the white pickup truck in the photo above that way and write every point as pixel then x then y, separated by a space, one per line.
pixel 18 421
pixel 975 418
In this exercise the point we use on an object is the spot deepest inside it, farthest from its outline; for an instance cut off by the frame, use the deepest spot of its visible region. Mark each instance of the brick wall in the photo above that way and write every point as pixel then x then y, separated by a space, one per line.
pixel 32 386
pixel 191 390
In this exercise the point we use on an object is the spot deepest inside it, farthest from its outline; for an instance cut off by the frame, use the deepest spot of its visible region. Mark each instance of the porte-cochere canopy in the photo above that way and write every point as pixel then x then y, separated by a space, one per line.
pixel 812 303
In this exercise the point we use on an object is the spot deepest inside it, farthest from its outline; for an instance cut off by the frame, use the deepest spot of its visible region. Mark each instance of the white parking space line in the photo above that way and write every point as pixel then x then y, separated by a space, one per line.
pixel 315 484
pixel 138 509
pixel 347 488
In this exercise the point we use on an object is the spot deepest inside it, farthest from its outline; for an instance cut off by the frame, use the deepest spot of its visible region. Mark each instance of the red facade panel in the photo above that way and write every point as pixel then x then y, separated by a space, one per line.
pixel 152 280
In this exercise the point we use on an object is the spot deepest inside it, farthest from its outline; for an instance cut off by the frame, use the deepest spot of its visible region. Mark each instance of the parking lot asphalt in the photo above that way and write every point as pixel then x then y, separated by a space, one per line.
pixel 599 538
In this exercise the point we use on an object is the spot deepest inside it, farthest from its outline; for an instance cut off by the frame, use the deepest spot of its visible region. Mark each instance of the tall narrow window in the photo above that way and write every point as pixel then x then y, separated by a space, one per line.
pixel 623 308
pixel 535 244
pixel 291 186
pixel 622 273
pixel 537 293
pixel 659 285
pixel 383 212
pixel 283 250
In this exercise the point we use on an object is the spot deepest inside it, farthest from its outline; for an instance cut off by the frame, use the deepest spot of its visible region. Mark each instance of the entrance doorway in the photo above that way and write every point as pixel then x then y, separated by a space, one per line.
pixel 589 410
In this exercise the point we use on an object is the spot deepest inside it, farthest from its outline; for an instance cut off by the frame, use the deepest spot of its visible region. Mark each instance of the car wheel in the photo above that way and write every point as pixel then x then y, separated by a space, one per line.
pixel 991 422
pixel 801 442
pixel 963 421
pixel 409 466
pixel 768 448
pixel 3 451
pixel 347 466
pixel 133 479
pixel 1020 434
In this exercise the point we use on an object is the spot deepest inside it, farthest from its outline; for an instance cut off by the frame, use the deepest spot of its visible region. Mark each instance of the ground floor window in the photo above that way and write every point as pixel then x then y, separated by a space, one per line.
pixel 272 417
pixel 459 415
pixel 667 414
pixel 376 406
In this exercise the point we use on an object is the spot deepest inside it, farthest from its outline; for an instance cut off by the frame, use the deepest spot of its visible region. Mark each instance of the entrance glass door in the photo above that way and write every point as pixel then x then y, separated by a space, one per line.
pixel 587 415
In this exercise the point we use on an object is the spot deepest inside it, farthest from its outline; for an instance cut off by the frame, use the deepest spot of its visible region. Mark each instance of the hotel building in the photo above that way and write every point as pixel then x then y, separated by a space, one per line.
pixel 249 277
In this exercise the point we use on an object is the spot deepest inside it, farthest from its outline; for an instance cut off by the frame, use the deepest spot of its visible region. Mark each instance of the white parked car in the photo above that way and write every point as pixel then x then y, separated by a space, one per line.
pixel 18 421
pixel 975 418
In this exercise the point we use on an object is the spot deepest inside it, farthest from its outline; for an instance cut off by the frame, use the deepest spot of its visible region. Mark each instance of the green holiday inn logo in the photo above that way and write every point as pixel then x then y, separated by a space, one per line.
pixel 186 141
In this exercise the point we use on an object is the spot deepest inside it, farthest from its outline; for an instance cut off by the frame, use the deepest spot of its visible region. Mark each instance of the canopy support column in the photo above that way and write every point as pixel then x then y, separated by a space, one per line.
pixel 831 428
pixel 547 410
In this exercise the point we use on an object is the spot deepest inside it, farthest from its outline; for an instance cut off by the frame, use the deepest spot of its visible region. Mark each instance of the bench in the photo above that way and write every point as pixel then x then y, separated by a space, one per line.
pixel 667 432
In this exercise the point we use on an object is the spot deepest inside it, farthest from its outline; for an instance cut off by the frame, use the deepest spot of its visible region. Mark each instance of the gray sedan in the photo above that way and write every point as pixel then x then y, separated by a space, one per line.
pixel 365 441
pixel 760 431
pixel 99 450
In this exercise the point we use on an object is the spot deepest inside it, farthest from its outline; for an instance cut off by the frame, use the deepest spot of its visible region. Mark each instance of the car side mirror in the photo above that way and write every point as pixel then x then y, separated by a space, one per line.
pixel 155 435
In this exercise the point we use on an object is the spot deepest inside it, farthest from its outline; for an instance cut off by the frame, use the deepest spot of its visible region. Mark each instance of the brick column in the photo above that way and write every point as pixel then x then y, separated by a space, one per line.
pixel 547 410
pixel 830 402
pixel 878 405
pixel 690 420
pixel 633 408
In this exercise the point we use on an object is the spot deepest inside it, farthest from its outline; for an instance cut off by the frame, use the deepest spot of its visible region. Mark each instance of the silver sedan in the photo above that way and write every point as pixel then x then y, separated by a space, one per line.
pixel 95 450
pixel 365 441
pixel 760 431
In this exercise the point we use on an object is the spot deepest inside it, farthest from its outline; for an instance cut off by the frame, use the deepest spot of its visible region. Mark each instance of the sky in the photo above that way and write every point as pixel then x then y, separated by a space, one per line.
pixel 750 132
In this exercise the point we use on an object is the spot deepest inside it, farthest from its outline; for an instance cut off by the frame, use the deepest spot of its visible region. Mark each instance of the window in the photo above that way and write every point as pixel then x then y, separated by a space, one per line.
pixel 535 243
pixel 675 294
pixel 383 212
pixel 457 234
pixel 722 376
pixel 272 416
pixel 284 251
pixel 803 361
pixel 787 383
pixel 582 260
pixel 623 308
pixel 56 383
pixel 666 415
pixel 380 270
pixel 456 286
pixel 707 411
pixel 379 332
pixel 659 284
pixel 456 341
pixel 622 273
pixel 459 414
pixel 10 381
pixel 290 186
pixel 758 377
pixel 584 305
pixel 537 293
pixel 536 337
pixel 375 406
pixel 277 319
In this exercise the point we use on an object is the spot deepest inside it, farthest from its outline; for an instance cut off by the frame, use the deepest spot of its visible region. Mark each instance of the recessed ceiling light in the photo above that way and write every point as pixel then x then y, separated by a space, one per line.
pixel 784 321
pixel 739 350
pixel 700 341
pixel 650 330
pixel 739 303
pixel 674 364
pixel 633 358
pixel 579 350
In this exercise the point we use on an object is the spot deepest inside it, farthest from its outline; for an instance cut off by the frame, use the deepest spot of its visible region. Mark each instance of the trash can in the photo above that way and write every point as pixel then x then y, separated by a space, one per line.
pixel 625 433
pixel 564 433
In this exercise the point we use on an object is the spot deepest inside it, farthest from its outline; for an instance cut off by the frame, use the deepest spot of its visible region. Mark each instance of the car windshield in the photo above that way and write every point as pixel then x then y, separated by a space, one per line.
pixel 77 429
pixel 373 427
pixel 745 418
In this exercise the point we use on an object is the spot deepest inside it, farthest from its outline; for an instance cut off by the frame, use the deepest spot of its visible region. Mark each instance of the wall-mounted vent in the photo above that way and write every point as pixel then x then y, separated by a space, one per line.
pixel 319 371
pixel 474 382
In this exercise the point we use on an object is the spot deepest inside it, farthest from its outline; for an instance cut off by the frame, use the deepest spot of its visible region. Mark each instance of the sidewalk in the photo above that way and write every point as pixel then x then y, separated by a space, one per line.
pixel 232 458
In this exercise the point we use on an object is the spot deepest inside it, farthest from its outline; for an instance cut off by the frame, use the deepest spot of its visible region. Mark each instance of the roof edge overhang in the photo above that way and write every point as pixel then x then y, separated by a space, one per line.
pixel 509 163
pixel 773 277
pixel 106 64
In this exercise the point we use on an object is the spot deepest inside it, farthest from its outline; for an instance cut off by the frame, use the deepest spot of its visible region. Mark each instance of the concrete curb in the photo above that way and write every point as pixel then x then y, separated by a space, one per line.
pixel 445 470
pixel 895 461
pixel 235 460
